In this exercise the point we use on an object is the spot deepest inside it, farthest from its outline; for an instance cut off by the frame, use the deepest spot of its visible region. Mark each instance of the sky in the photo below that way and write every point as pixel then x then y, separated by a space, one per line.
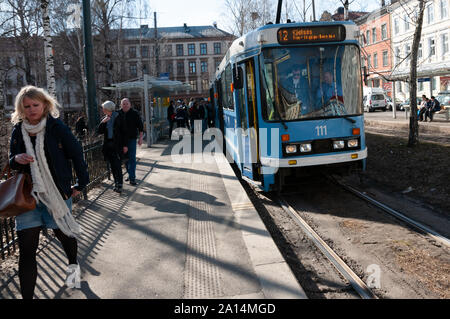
pixel 204 12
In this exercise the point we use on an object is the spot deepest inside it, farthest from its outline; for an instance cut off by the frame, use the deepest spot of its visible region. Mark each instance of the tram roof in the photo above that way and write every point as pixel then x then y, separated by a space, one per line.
pixel 267 36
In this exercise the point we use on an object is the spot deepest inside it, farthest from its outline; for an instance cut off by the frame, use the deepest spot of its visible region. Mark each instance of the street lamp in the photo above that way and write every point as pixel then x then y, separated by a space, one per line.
pixel 67 69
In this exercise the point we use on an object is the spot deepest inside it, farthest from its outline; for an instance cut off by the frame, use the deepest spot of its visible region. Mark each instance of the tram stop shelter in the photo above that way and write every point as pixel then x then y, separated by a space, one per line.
pixel 151 86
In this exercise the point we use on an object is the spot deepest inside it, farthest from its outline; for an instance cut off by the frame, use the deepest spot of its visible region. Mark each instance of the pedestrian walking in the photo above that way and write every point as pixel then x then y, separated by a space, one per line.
pixel 171 117
pixel 44 146
pixel 133 128
pixel 114 141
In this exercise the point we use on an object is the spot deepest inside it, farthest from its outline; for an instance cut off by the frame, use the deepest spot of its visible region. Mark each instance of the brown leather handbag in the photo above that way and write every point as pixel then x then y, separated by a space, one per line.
pixel 15 194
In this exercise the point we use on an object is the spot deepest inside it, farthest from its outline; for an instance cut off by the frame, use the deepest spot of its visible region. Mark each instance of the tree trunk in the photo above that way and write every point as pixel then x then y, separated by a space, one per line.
pixel 413 139
pixel 48 50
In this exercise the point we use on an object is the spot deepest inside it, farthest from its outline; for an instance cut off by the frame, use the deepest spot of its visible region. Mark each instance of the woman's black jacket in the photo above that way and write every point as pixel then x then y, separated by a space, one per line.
pixel 62 150
pixel 119 136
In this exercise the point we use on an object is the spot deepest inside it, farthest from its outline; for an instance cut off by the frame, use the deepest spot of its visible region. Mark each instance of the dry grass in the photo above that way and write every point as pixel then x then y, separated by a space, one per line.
pixel 425 168
pixel 432 271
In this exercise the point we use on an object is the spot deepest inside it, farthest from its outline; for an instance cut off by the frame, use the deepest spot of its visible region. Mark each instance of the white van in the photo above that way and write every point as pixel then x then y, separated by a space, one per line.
pixel 374 99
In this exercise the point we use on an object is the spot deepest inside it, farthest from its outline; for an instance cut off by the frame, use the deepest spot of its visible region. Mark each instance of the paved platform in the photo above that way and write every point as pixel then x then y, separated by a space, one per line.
pixel 186 231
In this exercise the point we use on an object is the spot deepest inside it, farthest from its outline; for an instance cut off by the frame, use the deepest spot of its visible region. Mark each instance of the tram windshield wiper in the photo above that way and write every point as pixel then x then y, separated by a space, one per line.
pixel 348 119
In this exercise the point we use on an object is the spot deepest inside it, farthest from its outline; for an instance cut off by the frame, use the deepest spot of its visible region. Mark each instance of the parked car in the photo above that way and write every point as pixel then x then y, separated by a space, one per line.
pixel 375 101
pixel 407 102
pixel 443 98
pixel 398 103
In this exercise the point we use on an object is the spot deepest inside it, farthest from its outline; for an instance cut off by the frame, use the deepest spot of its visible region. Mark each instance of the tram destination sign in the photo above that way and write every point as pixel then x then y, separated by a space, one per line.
pixel 313 34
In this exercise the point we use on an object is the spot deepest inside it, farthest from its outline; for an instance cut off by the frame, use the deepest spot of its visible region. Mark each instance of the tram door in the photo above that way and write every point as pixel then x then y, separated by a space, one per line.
pixel 249 125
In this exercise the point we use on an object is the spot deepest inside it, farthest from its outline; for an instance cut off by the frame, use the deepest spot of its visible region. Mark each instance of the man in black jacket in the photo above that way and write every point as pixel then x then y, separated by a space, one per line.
pixel 134 128
pixel 434 106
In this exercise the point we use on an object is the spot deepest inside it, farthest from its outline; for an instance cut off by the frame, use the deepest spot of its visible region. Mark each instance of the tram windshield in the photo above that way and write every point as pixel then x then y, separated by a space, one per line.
pixel 311 82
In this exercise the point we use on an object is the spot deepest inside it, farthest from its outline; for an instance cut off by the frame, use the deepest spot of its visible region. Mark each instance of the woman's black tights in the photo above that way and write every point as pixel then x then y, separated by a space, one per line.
pixel 28 244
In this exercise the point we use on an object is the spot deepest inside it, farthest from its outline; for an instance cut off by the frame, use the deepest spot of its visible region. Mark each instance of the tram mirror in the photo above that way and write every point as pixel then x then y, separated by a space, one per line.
pixel 238 78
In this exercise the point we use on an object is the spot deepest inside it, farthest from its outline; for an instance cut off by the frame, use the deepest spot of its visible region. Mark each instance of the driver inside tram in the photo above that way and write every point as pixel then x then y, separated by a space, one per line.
pixel 328 90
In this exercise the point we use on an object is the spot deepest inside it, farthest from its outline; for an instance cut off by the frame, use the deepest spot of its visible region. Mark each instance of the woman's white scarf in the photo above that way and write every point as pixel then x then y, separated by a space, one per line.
pixel 44 188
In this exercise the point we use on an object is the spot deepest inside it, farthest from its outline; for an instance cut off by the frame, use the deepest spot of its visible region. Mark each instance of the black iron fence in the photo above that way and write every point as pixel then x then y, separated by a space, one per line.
pixel 98 170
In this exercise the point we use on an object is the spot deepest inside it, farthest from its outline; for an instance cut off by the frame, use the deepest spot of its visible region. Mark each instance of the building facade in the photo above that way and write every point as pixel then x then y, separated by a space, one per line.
pixel 189 54
pixel 376 52
pixel 433 65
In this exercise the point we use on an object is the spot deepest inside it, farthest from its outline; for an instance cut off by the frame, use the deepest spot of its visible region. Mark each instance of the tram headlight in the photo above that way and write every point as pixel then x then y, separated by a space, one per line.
pixel 305 147
pixel 291 149
pixel 337 145
pixel 352 143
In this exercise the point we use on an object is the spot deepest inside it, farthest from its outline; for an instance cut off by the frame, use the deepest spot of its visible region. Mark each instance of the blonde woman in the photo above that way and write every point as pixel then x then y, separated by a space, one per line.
pixel 45 147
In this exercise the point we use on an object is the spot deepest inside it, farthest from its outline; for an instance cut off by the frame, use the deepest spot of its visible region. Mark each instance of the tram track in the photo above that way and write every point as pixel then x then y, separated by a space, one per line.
pixel 427 231
pixel 413 259
pixel 358 285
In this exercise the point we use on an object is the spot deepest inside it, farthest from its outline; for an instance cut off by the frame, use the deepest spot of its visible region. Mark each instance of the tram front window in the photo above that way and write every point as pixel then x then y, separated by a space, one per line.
pixel 311 82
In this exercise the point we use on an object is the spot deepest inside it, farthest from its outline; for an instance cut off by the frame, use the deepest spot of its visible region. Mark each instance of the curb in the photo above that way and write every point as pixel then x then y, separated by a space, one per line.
pixel 275 276
pixel 405 126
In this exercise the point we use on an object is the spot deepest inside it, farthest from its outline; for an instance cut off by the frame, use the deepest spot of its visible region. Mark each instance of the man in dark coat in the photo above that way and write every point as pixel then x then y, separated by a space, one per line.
pixel 135 133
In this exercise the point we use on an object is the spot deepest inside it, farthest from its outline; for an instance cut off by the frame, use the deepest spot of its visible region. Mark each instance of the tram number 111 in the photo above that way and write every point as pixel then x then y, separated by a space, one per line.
pixel 321 130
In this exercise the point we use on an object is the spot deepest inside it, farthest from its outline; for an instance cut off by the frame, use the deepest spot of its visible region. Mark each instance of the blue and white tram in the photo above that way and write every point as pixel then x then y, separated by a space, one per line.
pixel 288 99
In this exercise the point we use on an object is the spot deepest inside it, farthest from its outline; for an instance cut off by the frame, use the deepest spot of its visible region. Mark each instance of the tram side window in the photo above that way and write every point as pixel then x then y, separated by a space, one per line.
pixel 227 95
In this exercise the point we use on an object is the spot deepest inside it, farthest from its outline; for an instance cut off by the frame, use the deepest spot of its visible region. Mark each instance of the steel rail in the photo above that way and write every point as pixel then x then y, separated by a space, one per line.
pixel 357 284
pixel 428 231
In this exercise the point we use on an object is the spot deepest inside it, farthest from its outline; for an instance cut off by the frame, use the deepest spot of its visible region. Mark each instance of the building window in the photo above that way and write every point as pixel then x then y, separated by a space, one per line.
pixel 419 51
pixel 385 58
pixel 144 51
pixel 406 20
pixel 368 37
pixel 217 48
pixel 384 32
pixel 205 84
pixel 203 48
pixel 133 70
pixel 375 60
pixel 397 55
pixel 179 50
pixel 443 8
pixel 192 67
pixel 420 86
pixel 132 52
pixel 169 67
pixel 376 83
pixel 144 68
pixel 369 63
pixel 168 50
pixel 433 83
pixel 431 46
pixel 396 26
pixel 180 68
pixel 216 63
pixel 191 49
pixel 444 43
pixel 193 84
pixel 430 13
pixel 204 66
pixel 374 35
pixel 407 51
